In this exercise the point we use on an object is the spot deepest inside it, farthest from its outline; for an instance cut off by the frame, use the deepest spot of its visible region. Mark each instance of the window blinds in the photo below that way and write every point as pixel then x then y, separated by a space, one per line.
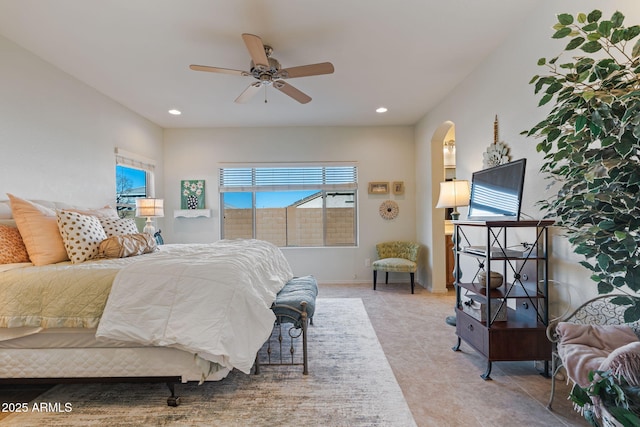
pixel 240 179
pixel 133 160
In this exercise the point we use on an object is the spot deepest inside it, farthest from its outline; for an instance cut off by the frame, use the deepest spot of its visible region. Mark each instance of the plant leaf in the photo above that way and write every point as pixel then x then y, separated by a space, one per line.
pixel 574 43
pixel 581 121
pixel 562 32
pixel 591 47
pixel 582 18
pixel 617 36
pixel 605 28
pixel 565 19
pixel 546 98
pixel 594 16
pixel 617 19
pixel 632 314
pixel 605 288
pixel 594 36
pixel 631 32
pixel 636 50
pixel 554 87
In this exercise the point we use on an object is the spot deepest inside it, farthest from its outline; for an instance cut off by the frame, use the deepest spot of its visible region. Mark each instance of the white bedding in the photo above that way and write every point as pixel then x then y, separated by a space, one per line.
pixel 212 300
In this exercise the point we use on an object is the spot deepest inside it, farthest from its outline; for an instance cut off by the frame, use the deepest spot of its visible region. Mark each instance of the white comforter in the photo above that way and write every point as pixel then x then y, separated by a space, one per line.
pixel 213 300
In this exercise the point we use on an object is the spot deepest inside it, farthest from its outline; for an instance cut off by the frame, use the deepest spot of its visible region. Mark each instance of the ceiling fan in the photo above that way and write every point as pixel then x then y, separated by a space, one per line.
pixel 268 72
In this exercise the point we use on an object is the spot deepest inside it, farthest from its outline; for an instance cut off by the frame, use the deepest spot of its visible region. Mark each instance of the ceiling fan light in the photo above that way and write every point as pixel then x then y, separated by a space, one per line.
pixel 381 110
pixel 175 112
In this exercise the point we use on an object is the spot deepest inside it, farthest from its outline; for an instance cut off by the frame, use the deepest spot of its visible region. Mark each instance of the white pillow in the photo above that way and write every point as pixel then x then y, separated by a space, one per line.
pixel 118 226
pixel 81 235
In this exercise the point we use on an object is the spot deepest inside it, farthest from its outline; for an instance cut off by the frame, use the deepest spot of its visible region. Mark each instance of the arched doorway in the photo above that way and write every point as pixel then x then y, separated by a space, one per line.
pixel 442 168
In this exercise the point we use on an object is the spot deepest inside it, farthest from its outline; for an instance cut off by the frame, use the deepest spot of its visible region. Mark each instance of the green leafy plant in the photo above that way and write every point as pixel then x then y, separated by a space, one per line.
pixel 591 140
pixel 611 392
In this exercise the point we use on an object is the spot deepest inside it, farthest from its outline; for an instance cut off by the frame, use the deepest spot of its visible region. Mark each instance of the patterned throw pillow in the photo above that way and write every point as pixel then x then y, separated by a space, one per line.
pixel 118 226
pixel 81 235
pixel 127 245
pixel 105 212
pixel 12 247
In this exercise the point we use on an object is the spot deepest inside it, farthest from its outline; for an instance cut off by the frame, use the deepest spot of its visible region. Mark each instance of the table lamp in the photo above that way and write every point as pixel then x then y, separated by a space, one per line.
pixel 149 208
pixel 454 194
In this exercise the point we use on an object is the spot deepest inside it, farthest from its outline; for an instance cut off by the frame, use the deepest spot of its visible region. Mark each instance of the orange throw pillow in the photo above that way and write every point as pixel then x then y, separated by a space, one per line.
pixel 38 227
pixel 11 246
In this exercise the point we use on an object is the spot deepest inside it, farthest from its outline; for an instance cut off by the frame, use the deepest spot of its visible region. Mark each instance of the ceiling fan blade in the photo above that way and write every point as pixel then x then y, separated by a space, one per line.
pixel 218 70
pixel 307 70
pixel 296 94
pixel 256 50
pixel 248 93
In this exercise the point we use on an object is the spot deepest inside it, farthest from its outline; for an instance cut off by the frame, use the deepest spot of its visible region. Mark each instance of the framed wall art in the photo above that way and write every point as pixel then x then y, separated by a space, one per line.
pixel 378 188
pixel 398 187
pixel 192 194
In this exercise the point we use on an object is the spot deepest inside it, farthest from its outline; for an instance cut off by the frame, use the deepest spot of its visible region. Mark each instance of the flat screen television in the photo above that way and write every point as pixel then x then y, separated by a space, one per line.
pixel 496 193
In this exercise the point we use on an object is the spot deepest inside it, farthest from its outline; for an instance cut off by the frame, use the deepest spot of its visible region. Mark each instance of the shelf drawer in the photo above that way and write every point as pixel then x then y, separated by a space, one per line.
pixel 471 331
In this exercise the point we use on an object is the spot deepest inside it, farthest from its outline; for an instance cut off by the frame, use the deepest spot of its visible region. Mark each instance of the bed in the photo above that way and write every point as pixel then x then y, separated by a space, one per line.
pixel 175 313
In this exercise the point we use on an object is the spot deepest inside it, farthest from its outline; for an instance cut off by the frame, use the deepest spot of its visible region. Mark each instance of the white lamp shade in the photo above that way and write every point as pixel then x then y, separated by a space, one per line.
pixel 149 207
pixel 453 194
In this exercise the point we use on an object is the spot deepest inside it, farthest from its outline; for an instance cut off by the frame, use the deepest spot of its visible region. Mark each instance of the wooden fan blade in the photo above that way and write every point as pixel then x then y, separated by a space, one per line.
pixel 256 50
pixel 248 93
pixel 218 70
pixel 307 70
pixel 296 94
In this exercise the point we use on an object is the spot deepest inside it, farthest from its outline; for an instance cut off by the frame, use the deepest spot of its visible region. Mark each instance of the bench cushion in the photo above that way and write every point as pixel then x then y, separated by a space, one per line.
pixel 295 291
pixel 399 265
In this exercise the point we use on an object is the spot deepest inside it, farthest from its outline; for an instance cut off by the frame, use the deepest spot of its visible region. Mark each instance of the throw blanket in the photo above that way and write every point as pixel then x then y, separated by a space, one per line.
pixel 213 300
pixel 585 348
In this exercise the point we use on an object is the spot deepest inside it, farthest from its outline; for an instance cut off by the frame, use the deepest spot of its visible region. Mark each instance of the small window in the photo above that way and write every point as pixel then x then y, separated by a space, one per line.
pixel 131 184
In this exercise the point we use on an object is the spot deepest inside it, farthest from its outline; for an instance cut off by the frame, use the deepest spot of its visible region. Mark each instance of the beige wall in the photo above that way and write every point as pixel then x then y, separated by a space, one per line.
pixel 380 153
pixel 58 135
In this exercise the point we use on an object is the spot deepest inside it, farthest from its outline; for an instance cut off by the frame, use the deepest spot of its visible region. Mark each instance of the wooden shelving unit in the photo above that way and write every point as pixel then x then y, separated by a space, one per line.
pixel 524 294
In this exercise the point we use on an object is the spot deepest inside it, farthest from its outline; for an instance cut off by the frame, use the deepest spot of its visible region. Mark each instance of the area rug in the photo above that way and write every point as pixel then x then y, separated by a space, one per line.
pixel 350 383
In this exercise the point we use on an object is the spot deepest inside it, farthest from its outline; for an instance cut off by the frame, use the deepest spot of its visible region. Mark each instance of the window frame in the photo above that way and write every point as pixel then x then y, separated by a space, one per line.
pixel 135 161
pixel 334 175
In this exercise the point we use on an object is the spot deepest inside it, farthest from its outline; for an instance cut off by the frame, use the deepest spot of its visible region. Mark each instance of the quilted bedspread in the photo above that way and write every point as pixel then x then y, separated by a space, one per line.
pixel 58 295
pixel 213 300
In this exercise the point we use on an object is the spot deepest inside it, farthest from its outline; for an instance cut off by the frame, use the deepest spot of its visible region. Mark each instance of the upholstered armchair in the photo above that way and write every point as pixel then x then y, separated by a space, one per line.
pixel 400 257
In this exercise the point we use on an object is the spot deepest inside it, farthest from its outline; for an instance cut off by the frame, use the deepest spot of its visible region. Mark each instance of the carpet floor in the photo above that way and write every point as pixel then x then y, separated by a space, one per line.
pixel 350 383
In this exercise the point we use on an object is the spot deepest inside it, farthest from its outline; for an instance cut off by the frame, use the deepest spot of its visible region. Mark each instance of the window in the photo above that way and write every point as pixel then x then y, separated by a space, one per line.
pixel 290 206
pixel 134 179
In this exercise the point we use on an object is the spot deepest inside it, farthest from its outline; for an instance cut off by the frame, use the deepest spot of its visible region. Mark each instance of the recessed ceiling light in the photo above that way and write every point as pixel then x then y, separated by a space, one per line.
pixel 175 112
pixel 381 110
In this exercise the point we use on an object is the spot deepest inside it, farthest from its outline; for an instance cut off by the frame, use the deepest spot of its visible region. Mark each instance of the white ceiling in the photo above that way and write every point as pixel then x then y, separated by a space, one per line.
pixel 403 54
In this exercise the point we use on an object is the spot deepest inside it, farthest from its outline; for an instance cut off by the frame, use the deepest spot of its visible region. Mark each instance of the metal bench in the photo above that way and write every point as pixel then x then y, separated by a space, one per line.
pixel 294 308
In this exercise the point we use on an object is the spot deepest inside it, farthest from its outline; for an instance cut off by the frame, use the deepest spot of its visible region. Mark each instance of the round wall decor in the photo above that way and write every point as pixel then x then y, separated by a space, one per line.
pixel 498 152
pixel 495 155
pixel 389 209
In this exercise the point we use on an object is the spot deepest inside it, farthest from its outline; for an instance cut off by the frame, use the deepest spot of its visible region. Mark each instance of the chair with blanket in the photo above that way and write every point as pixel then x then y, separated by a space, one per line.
pixel 595 337
pixel 396 256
